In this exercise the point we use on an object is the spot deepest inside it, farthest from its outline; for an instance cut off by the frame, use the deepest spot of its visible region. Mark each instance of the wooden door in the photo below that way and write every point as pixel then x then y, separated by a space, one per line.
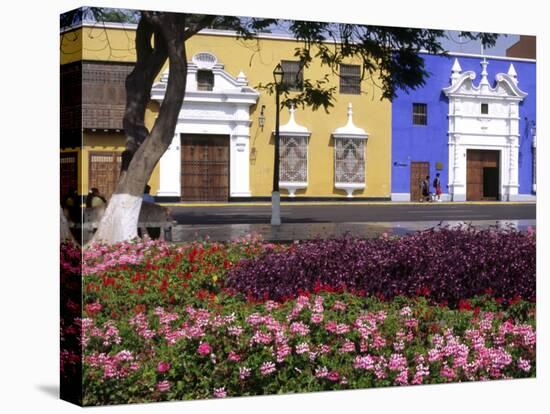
pixel 482 175
pixel 419 171
pixel 68 173
pixel 103 172
pixel 205 168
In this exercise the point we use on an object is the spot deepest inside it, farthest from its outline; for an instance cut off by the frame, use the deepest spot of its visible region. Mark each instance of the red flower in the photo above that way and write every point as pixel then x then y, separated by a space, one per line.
pixel 464 304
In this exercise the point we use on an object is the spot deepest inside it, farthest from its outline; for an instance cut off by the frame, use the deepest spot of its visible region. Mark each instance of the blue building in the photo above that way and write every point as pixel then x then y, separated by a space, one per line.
pixel 474 123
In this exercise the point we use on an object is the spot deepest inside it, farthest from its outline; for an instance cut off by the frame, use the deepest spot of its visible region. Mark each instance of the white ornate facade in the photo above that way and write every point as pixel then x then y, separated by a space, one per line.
pixel 483 117
pixel 294 141
pixel 224 110
pixel 349 156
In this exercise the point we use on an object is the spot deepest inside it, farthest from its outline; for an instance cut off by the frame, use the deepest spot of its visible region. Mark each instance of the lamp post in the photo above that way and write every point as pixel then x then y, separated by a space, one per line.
pixel 275 195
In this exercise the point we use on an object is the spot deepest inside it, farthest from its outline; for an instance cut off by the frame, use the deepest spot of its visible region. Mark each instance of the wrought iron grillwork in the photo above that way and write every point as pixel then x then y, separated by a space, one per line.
pixel 293 159
pixel 420 114
pixel 68 173
pixel 205 80
pixel 104 171
pixel 349 160
pixel 293 77
pixel 350 79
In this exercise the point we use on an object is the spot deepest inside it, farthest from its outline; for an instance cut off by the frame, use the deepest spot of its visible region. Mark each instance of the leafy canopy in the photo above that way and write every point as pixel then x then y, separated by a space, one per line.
pixel 389 56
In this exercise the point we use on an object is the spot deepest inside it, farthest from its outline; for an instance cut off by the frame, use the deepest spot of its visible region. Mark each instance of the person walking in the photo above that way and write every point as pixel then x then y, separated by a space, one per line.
pixel 425 189
pixel 437 187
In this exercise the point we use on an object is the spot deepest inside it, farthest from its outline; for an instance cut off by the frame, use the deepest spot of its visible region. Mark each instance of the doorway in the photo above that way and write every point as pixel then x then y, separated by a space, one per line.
pixel 419 171
pixel 204 167
pixel 482 175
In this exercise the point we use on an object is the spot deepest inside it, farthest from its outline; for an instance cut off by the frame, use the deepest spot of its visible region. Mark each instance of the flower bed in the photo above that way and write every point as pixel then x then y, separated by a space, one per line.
pixel 160 323
pixel 324 342
pixel 446 265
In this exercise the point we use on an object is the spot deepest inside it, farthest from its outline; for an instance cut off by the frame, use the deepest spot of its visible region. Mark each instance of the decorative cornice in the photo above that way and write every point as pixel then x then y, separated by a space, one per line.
pixel 292 128
pixel 350 130
pixel 483 89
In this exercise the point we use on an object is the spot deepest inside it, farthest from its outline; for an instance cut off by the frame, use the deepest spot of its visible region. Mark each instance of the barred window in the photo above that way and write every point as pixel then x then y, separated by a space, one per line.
pixel 349 160
pixel 350 79
pixel 293 159
pixel 420 114
pixel 293 77
pixel 205 80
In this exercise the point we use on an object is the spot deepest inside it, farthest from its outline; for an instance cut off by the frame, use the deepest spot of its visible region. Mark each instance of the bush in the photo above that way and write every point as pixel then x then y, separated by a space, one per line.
pixel 446 265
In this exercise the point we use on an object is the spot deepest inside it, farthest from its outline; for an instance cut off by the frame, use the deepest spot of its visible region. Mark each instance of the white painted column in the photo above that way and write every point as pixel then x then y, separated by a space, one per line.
pixel 239 176
pixel 513 171
pixel 170 170
pixel 459 167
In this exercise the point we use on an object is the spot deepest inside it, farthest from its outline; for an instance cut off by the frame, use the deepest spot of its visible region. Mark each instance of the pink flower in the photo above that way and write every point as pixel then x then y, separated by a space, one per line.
pixel 244 372
pixel 163 367
pixel 93 308
pixel 299 328
pixel 302 348
pixel 220 392
pixel 364 362
pixel 283 351
pixel 524 365
pixel 233 356
pixel 339 306
pixel 317 318
pixel 448 373
pixel 401 378
pixel 321 372
pixel 204 348
pixel 397 362
pixel 333 376
pixel 348 346
pixel 267 368
pixel 163 386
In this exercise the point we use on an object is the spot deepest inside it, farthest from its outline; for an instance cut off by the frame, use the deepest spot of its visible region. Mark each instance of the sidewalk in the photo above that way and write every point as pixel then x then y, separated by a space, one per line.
pixel 339 203
pixel 301 231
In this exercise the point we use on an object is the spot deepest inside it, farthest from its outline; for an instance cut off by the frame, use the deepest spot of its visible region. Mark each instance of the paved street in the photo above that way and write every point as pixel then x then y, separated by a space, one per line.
pixel 353 213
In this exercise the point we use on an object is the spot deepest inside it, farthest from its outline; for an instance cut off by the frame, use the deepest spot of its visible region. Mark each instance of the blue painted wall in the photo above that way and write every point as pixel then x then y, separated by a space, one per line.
pixel 430 142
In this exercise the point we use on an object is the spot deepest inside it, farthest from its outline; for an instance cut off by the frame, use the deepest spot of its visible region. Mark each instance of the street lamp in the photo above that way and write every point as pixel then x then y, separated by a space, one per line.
pixel 278 74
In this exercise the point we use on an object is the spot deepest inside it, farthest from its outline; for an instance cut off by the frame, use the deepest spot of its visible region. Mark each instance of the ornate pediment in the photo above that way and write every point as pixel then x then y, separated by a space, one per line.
pixel 462 84
pixel 224 87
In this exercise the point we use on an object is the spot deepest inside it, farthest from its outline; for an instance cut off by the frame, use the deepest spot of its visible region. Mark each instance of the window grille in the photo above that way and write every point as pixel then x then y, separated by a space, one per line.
pixel 420 114
pixel 205 80
pixel 293 77
pixel 349 160
pixel 293 159
pixel 350 79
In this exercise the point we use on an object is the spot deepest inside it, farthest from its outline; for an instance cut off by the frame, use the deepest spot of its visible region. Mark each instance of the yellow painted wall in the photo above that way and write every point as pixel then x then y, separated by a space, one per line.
pixel 257 58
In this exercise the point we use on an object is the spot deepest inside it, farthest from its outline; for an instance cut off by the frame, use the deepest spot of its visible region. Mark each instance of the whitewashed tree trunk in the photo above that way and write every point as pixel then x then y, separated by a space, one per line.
pixel 159 36
pixel 120 220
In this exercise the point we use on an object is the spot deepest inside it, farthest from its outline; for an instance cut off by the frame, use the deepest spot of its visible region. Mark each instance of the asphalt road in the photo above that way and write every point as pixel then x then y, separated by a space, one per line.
pixel 353 213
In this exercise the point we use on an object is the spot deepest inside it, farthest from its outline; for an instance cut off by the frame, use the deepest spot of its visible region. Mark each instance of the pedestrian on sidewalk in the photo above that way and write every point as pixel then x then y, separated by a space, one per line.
pixel 425 189
pixel 437 187
pixel 147 197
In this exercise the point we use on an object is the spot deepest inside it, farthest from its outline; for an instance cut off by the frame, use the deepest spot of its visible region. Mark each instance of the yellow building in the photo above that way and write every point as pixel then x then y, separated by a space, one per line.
pixel 223 147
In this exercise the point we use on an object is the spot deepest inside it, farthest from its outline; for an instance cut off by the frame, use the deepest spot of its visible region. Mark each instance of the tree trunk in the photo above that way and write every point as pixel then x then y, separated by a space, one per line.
pixel 120 220
pixel 65 230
